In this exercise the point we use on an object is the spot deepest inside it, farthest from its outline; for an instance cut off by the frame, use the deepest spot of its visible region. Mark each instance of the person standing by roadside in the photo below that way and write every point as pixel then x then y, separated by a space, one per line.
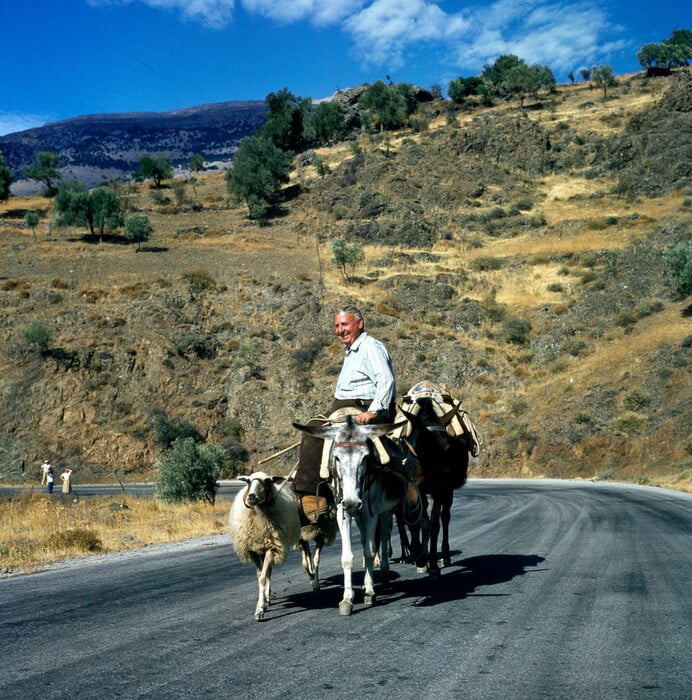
pixel 50 477
pixel 45 468
pixel 66 483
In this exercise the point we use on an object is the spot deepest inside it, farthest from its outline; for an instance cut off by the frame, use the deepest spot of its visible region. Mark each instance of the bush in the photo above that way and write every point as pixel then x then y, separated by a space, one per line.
pixel 679 259
pixel 80 538
pixel 39 335
pixel 517 331
pixel 187 471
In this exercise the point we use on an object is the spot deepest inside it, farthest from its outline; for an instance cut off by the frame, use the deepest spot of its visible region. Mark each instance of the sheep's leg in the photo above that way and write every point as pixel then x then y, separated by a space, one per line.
pixel 264 576
pixel 344 522
pixel 308 562
pixel 319 543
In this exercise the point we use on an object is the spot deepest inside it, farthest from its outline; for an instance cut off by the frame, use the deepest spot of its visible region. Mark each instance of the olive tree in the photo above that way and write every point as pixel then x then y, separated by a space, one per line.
pixel 5 179
pixel 44 169
pixel 188 470
pixel 138 229
pixel 259 169
pixel 158 169
pixel 97 210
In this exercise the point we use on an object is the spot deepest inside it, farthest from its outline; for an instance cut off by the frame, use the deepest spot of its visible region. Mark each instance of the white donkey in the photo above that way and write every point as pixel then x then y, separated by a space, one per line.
pixel 365 492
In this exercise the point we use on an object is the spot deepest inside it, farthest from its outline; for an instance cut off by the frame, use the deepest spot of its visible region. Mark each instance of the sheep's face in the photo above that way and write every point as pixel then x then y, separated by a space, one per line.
pixel 259 489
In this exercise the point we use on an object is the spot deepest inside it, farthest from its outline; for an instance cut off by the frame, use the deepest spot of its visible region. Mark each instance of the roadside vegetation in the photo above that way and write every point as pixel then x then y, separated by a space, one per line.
pixel 36 530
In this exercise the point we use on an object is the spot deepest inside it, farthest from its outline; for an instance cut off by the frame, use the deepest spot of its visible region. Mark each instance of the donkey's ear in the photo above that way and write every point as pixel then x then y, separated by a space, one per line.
pixel 319 431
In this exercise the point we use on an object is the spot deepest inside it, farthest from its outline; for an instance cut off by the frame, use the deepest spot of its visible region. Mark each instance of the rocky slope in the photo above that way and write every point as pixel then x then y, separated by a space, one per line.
pixel 519 256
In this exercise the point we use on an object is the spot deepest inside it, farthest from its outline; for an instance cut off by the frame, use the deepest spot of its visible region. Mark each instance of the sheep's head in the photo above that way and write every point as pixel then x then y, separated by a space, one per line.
pixel 259 489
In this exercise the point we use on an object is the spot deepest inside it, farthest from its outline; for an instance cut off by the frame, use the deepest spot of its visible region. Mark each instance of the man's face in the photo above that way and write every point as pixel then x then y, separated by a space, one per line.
pixel 347 328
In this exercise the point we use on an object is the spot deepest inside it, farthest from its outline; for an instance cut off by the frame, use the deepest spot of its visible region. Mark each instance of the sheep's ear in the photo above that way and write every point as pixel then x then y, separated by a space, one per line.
pixel 277 479
pixel 246 479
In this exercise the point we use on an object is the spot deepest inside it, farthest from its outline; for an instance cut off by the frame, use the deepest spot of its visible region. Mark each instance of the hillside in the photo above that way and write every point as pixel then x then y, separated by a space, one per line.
pixel 517 255
pixel 101 148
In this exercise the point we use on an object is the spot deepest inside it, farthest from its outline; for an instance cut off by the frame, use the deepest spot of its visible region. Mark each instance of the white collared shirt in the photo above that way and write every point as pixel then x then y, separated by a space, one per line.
pixel 367 374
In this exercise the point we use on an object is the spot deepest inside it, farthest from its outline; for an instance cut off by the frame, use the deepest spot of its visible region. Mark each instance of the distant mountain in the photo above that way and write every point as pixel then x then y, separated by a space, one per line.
pixel 107 147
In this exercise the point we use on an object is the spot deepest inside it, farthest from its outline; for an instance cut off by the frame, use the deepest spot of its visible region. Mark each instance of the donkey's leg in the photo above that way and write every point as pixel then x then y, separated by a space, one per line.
pixel 433 566
pixel 445 517
pixel 344 522
pixel 368 537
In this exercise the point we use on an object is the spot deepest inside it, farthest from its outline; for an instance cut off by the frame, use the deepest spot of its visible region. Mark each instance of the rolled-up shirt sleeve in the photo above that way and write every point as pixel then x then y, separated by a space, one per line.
pixel 367 374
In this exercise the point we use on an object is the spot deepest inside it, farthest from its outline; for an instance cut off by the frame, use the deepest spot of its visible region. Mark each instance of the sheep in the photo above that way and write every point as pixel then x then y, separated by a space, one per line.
pixel 264 524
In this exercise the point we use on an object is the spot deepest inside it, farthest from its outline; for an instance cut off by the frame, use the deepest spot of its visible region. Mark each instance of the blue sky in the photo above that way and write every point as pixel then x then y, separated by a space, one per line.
pixel 66 58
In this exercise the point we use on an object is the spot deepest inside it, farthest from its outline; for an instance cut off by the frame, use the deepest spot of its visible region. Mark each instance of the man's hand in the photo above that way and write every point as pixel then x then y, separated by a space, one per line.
pixel 365 417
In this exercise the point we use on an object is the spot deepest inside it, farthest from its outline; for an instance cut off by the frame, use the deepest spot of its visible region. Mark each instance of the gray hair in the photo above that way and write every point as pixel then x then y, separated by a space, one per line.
pixel 350 310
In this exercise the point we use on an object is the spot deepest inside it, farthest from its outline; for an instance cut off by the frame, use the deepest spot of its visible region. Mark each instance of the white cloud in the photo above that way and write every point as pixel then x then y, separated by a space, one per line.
pixel 383 31
pixel 11 123
pixel 212 13
pixel 559 33
pixel 320 13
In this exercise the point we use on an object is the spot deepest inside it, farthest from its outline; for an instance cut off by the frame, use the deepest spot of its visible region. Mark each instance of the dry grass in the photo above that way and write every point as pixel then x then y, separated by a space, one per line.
pixel 36 530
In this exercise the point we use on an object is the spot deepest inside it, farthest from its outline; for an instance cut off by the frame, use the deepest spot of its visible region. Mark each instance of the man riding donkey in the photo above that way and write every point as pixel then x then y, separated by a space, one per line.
pixel 365 389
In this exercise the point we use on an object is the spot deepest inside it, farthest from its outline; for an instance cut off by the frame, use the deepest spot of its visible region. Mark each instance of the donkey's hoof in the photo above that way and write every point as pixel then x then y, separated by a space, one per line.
pixel 445 561
pixel 422 569
pixel 345 608
pixel 368 599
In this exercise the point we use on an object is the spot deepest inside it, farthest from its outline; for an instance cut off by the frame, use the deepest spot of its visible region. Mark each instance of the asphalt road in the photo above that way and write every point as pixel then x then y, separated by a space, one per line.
pixel 557 590
pixel 227 488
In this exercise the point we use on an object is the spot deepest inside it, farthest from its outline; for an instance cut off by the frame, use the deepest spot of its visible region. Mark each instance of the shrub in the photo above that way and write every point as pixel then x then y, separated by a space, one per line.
pixel 199 279
pixel 517 330
pixel 484 263
pixel 636 400
pixel 80 538
pixel 39 335
pixel 187 471
pixel 679 259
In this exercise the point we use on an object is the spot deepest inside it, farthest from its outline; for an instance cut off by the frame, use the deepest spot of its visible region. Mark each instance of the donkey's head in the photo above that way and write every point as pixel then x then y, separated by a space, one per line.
pixel 351 452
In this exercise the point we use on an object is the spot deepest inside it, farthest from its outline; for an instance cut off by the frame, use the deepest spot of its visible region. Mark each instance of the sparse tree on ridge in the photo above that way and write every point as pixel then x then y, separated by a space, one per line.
pixel 158 169
pixel 585 74
pixel 285 122
pixel 326 122
pixel 197 163
pixel 259 169
pixel 673 52
pixel 5 179
pixel 603 78
pixel 31 219
pixel 138 229
pixel 44 169
pixel 387 104
pixel 97 210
